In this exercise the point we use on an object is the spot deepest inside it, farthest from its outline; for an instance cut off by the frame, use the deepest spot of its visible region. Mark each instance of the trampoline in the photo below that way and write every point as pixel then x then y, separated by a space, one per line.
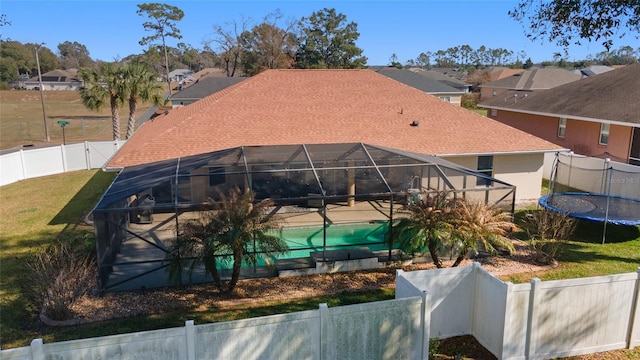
pixel 596 207
pixel 594 189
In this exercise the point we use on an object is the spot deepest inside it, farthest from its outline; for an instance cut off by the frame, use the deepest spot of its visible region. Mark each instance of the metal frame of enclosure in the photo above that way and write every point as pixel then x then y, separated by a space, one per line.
pixel 311 185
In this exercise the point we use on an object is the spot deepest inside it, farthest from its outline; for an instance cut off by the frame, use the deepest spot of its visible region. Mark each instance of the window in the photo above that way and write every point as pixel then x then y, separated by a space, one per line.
pixel 494 112
pixel 446 98
pixel 485 167
pixel 562 127
pixel 216 176
pixel 604 134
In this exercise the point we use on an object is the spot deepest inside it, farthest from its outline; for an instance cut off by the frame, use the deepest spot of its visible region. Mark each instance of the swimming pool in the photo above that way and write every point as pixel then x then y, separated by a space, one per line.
pixel 303 240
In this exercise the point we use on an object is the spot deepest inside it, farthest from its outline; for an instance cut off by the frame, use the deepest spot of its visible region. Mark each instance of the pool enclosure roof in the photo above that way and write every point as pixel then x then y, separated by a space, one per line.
pixel 289 172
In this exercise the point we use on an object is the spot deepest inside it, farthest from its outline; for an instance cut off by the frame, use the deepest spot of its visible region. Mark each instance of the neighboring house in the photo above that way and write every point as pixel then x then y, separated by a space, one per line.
pixel 596 116
pixel 494 73
pixel 447 80
pixel 179 75
pixel 54 80
pixel 432 87
pixel 208 72
pixel 489 74
pixel 454 73
pixel 528 81
pixel 202 88
pixel 593 70
pixel 281 107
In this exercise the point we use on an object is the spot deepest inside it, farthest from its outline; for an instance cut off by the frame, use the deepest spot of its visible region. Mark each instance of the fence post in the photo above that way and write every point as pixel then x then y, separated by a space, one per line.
pixel 37 352
pixel 634 323
pixel 63 153
pixel 532 319
pixel 190 331
pixel 425 323
pixel 323 313
pixel 22 165
pixel 87 155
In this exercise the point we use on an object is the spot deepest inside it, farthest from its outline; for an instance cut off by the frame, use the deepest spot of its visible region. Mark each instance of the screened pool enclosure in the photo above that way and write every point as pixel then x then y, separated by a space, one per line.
pixel 355 189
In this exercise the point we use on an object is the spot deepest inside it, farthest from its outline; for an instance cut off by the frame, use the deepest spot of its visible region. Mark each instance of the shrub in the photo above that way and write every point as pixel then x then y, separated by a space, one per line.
pixel 470 100
pixel 547 230
pixel 59 275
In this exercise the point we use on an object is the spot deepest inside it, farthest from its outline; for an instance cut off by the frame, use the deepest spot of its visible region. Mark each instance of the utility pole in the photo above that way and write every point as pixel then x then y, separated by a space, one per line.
pixel 44 112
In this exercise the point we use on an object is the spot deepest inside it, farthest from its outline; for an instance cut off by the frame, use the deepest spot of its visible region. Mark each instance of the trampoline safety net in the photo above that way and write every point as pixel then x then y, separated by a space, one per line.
pixel 594 189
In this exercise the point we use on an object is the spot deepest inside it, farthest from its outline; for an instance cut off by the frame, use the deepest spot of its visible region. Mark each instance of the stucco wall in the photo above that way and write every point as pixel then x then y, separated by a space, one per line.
pixel 582 137
pixel 522 170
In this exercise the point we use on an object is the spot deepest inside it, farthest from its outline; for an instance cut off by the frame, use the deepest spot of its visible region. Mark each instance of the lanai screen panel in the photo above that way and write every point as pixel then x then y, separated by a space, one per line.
pixel 346 170
pixel 282 173
pixel 206 177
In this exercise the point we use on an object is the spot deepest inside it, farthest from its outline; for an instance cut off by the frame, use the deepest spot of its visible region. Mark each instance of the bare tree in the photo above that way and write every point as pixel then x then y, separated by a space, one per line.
pixel 227 37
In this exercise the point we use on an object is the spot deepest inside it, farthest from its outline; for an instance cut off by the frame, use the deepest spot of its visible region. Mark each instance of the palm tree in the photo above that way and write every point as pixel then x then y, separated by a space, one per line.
pixel 476 224
pixel 141 86
pixel 102 88
pixel 233 227
pixel 428 226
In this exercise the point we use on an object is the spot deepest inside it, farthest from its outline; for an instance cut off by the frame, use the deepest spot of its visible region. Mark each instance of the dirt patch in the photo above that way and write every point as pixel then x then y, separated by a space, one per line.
pixel 118 305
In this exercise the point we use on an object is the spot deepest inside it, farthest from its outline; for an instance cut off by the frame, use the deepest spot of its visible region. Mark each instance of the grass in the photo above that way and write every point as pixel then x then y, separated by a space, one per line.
pixel 584 255
pixel 480 111
pixel 37 211
pixel 34 213
pixel 22 119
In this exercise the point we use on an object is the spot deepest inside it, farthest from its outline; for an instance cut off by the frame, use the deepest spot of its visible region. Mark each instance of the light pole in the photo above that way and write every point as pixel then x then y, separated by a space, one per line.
pixel 44 112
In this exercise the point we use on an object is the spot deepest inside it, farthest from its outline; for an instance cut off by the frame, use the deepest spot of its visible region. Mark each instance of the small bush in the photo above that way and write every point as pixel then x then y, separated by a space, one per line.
pixel 470 100
pixel 547 230
pixel 59 275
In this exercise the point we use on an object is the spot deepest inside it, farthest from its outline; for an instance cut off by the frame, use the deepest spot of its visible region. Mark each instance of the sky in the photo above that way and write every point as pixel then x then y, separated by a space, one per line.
pixel 112 29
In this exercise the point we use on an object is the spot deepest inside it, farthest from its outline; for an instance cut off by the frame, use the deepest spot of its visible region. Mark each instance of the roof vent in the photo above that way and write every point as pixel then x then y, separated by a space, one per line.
pixel 415 123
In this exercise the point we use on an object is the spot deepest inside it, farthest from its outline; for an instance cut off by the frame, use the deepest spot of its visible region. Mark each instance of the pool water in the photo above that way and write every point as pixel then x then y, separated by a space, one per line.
pixel 303 240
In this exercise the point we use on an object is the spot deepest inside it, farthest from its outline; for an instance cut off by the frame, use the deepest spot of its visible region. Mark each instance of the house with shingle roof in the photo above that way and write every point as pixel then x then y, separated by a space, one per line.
pixel 528 81
pixel 281 107
pixel 593 70
pixel 426 84
pixel 54 80
pixel 596 116
pixel 448 80
pixel 202 88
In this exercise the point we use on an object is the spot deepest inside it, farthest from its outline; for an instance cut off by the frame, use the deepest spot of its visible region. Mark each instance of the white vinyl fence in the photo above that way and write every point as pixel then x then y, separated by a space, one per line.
pixel 539 320
pixel 29 163
pixel 378 330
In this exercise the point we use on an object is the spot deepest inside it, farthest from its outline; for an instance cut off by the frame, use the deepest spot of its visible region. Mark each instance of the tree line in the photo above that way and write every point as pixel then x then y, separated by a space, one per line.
pixel 325 39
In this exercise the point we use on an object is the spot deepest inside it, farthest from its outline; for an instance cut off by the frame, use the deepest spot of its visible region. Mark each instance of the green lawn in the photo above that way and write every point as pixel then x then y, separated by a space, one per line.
pixel 37 211
pixel 585 255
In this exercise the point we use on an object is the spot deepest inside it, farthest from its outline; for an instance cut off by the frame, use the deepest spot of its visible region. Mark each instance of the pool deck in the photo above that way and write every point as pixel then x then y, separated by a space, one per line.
pixel 143 251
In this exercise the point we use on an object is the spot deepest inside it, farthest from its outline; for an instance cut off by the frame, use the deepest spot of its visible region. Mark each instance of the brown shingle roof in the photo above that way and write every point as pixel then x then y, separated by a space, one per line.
pixel 321 106
pixel 611 96
pixel 545 78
